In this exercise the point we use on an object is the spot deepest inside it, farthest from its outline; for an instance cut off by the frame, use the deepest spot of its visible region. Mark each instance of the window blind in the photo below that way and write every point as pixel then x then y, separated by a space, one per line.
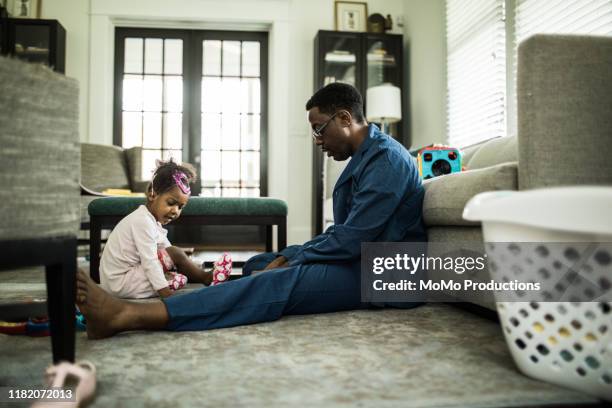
pixel 593 17
pixel 476 66
pixel 586 17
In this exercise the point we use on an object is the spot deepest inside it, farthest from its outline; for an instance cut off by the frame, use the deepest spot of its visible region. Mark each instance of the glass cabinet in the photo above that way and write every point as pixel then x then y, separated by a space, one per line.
pixel 34 40
pixel 363 60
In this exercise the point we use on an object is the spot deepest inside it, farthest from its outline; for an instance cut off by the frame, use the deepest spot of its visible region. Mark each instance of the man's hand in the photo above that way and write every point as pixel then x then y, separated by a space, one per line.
pixel 279 262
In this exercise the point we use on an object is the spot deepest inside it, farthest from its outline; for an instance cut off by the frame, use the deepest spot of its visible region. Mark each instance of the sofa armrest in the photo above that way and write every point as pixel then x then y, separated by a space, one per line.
pixel 446 196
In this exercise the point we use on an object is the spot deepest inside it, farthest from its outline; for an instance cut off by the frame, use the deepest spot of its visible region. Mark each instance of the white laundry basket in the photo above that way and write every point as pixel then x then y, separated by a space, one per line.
pixel 564 342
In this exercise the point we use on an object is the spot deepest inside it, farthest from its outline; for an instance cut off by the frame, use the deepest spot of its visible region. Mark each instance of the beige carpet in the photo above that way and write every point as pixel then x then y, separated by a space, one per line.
pixel 432 356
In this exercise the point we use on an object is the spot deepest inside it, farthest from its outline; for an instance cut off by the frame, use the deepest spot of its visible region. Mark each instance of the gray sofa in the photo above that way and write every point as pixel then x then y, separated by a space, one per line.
pixel 39 193
pixel 104 167
pixel 564 138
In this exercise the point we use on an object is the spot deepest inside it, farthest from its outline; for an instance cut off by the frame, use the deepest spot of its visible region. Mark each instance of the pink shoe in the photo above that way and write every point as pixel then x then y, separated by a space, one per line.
pixel 222 269
pixel 178 281
pixel 64 375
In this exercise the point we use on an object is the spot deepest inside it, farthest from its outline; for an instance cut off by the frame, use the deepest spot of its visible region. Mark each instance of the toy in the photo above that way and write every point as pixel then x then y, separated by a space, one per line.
pixel 37 326
pixel 436 161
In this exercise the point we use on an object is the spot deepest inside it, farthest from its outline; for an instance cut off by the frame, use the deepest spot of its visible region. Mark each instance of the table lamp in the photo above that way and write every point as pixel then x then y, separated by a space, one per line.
pixel 384 105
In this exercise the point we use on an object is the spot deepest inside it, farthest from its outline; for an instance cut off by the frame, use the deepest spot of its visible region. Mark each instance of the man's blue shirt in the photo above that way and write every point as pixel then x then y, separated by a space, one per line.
pixel 377 198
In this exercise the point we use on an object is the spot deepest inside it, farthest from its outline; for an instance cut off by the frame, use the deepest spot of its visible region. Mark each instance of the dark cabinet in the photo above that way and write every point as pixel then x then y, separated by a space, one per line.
pixel 363 60
pixel 34 40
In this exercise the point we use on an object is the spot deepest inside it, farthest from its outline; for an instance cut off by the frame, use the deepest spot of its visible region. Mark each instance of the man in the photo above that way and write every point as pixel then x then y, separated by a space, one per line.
pixel 378 198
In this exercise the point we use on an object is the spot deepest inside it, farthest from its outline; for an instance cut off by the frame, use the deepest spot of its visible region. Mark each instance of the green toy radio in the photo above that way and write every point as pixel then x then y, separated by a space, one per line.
pixel 436 161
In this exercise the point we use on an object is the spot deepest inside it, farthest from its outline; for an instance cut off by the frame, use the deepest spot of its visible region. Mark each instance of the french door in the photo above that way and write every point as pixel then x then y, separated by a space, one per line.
pixel 197 96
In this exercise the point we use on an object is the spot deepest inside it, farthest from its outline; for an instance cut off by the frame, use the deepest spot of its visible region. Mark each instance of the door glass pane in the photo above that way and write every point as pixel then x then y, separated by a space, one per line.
pixel 152 130
pixel 249 132
pixel 132 129
pixel 230 134
pixel 230 192
pixel 211 192
pixel 153 56
pixel 132 92
pixel 173 57
pixel 149 158
pixel 152 93
pixel 212 58
pixel 250 95
pixel 211 131
pixel 229 90
pixel 230 168
pixel 231 58
pixel 235 92
pixel 175 155
pixel 211 168
pixel 250 58
pixel 153 103
pixel 133 56
pixel 211 95
pixel 249 192
pixel 173 94
pixel 173 131
pixel 249 169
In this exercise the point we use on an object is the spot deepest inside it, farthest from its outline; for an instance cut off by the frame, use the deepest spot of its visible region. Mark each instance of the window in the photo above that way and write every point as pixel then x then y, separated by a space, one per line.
pixel 476 70
pixel 482 70
pixel 196 96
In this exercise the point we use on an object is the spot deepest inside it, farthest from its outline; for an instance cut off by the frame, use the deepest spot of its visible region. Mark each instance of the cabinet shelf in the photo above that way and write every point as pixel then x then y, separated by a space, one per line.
pixel 34 40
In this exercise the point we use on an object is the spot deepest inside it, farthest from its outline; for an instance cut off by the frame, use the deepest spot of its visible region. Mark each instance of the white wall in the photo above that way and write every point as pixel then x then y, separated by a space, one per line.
pixel 74 16
pixel 292 25
pixel 425 47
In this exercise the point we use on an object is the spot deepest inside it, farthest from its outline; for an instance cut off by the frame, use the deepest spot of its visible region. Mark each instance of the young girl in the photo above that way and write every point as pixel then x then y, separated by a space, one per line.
pixel 137 255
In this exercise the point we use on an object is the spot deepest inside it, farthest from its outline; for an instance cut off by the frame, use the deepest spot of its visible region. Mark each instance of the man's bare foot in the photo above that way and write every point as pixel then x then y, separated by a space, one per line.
pixel 101 310
pixel 107 315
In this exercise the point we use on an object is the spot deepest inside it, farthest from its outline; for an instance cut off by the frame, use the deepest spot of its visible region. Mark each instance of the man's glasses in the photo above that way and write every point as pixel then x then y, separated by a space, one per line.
pixel 318 133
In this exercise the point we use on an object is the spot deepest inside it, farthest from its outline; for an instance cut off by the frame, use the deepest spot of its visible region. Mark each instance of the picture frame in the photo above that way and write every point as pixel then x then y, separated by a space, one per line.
pixel 351 16
pixel 23 8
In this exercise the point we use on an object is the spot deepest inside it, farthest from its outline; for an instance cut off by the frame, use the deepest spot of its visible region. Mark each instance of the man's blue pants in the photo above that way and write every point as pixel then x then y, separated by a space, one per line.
pixel 266 296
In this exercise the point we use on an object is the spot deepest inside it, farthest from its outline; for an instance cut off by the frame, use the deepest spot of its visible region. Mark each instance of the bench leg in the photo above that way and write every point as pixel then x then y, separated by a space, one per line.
pixel 61 293
pixel 282 234
pixel 95 244
pixel 269 238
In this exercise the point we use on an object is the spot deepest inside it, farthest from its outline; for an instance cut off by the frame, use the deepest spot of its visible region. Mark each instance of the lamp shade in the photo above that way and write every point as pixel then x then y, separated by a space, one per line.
pixel 384 104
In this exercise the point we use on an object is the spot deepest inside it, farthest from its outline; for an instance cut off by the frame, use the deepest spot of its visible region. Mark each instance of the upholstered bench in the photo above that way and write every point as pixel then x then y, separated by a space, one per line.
pixel 106 212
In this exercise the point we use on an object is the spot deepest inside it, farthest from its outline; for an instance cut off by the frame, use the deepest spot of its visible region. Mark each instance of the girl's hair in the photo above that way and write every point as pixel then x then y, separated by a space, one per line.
pixel 163 177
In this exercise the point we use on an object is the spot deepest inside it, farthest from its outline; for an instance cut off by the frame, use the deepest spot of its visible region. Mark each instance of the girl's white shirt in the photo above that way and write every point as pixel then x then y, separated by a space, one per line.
pixel 133 244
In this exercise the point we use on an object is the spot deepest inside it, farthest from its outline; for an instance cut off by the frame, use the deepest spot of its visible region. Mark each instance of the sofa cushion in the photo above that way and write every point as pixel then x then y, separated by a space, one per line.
pixel 103 167
pixel 446 196
pixel 195 206
pixel 492 152
pixel 564 111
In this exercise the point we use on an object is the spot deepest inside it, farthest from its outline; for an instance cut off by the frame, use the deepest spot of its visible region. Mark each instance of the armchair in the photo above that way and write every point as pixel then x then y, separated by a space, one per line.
pixel 104 167
pixel 39 190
